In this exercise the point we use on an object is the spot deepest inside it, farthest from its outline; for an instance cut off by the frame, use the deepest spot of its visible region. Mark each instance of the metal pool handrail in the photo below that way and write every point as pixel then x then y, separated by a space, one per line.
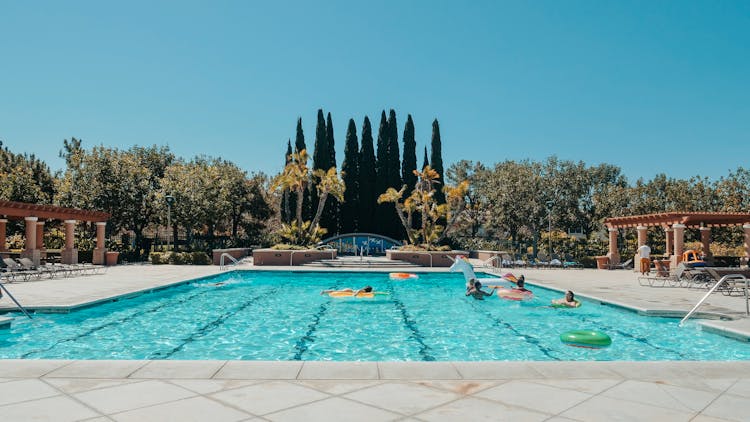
pixel 723 280
pixel 5 289
pixel 221 261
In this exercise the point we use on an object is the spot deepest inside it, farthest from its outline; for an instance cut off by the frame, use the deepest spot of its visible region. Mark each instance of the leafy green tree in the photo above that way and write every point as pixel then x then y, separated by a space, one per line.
pixel 286 206
pixel 350 174
pixel 383 211
pixel 425 160
pixel 24 178
pixel 321 157
pixel 367 181
pixel 475 213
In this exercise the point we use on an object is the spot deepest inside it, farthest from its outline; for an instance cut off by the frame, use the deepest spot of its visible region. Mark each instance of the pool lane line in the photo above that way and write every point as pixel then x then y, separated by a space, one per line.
pixel 411 325
pixel 502 324
pixel 300 346
pixel 111 323
pixel 211 326
pixel 529 339
pixel 631 336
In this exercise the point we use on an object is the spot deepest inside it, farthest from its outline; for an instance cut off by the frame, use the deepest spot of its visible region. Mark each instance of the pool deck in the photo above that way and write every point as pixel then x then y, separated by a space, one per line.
pixel 62 390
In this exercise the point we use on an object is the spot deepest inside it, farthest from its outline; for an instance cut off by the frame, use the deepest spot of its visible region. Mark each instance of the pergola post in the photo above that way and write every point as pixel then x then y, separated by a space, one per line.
pixel 706 241
pixel 3 228
pixel 69 254
pixel 679 243
pixel 614 256
pixel 746 228
pixel 40 239
pixel 100 252
pixel 31 251
pixel 669 235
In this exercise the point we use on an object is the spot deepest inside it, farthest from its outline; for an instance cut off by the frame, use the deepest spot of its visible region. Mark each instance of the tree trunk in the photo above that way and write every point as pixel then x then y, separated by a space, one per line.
pixel 318 212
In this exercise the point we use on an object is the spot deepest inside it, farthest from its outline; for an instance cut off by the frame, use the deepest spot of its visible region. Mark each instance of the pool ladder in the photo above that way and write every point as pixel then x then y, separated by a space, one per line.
pixel 721 282
pixel 5 289
pixel 223 266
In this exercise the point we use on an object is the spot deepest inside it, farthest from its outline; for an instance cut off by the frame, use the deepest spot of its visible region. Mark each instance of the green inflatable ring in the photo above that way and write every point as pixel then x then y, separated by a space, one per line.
pixel 586 338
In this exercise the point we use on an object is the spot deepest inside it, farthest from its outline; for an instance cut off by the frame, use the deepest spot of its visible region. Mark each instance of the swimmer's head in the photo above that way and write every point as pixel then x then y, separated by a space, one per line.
pixel 477 284
pixel 367 289
pixel 569 296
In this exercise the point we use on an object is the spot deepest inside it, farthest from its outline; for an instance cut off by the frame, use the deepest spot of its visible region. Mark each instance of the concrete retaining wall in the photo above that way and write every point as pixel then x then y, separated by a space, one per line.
pixel 284 257
pixel 439 259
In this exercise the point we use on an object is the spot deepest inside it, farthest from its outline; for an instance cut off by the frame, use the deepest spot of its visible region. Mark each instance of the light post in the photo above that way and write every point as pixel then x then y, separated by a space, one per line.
pixel 170 201
pixel 549 217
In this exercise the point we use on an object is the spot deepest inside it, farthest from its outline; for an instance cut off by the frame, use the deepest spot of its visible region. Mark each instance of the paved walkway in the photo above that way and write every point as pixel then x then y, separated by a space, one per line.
pixel 219 391
pixel 57 390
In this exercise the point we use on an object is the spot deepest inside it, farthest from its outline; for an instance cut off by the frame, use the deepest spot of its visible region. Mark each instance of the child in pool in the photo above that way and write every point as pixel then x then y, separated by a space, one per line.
pixel 569 300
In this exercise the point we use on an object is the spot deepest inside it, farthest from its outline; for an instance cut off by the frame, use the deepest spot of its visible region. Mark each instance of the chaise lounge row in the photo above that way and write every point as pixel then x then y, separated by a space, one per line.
pixel 23 269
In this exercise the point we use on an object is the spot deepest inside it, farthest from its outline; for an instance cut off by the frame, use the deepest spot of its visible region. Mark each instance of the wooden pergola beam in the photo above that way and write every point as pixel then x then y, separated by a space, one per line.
pixel 11 209
pixel 689 219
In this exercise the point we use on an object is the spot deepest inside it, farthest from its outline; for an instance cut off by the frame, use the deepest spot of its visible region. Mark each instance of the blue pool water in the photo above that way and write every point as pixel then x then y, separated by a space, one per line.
pixel 282 316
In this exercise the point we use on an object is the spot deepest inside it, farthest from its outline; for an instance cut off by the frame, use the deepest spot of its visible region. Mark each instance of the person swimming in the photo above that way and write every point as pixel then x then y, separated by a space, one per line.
pixel 569 300
pixel 366 289
pixel 520 285
pixel 476 291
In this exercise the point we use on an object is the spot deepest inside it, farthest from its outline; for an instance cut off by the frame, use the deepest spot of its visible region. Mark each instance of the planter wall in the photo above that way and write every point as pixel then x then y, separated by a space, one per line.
pixel 236 253
pixel 439 259
pixel 287 257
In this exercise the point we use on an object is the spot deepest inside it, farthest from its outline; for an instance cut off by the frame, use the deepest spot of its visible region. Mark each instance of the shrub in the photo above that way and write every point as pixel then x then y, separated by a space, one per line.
pixel 416 248
pixel 181 258
pixel 201 258
pixel 157 258
pixel 288 247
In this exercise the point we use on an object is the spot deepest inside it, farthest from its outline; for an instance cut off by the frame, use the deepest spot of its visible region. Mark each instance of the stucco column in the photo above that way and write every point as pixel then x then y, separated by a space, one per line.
pixel 100 251
pixel 642 235
pixel 614 256
pixel 706 241
pixel 31 251
pixel 679 243
pixel 40 239
pixel 3 228
pixel 69 254
pixel 746 228
pixel 669 235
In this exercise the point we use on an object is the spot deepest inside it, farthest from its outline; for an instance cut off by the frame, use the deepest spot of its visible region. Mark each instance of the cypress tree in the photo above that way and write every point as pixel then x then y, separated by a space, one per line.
pixel 409 163
pixel 395 229
pixel 367 177
pixel 350 174
pixel 330 217
pixel 299 141
pixel 436 161
pixel 286 205
pixel 299 145
pixel 382 218
pixel 426 160
pixel 320 159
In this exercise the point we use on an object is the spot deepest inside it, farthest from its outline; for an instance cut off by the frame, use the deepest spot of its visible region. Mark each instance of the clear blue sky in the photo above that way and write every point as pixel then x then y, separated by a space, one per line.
pixel 651 86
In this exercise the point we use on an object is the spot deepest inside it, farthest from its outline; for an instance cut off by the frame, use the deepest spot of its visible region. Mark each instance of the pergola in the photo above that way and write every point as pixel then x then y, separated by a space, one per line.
pixel 674 224
pixel 35 215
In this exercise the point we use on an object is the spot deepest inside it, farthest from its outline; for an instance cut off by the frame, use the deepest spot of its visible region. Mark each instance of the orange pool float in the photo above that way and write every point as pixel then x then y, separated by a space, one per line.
pixel 403 276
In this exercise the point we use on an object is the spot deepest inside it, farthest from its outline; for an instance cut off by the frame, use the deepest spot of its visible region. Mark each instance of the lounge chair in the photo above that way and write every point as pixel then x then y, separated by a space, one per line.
pixel 570 262
pixel 16 270
pixel 627 265
pixel 29 265
pixel 734 282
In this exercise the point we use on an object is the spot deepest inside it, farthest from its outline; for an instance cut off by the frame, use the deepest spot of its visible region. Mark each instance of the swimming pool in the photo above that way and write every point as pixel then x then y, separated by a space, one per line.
pixel 258 315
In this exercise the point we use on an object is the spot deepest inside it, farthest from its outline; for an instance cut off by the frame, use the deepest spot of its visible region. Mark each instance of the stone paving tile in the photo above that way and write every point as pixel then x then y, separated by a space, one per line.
pixel 24 390
pixel 52 409
pixel 404 398
pixel 339 370
pixel 212 386
pixel 729 407
pixel 97 419
pixel 268 397
pixel 174 369
pixel 337 387
pixel 496 370
pixel 600 408
pixel 24 368
pixel 740 388
pixel 418 370
pixel 652 370
pixel 333 408
pixel 594 386
pixel 573 370
pixel 663 395
pixel 703 418
pixel 527 394
pixel 474 409
pixel 196 409
pixel 718 385
pixel 132 396
pixel 78 385
pixel 729 369
pixel 286 370
pixel 464 387
pixel 98 369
